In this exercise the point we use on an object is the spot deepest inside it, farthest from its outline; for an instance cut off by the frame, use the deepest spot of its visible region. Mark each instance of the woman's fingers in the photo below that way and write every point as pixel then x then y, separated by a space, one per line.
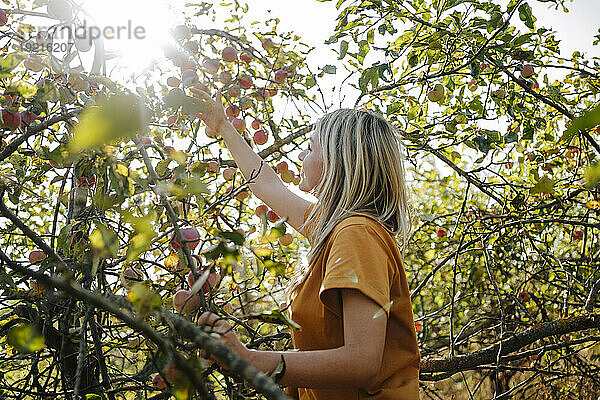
pixel 208 318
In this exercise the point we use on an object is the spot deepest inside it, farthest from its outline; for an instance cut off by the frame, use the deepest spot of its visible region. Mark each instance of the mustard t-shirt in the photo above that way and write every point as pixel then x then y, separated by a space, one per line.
pixel 361 254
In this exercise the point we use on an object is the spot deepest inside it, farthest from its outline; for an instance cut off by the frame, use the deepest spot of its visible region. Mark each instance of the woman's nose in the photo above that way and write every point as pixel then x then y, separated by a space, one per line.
pixel 302 155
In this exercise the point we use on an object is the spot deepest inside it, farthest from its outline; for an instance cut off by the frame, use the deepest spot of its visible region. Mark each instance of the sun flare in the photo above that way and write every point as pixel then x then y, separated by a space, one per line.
pixel 135 29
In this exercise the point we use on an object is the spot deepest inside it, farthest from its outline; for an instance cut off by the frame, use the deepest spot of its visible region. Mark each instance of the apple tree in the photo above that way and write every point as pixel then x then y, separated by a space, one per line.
pixel 501 131
pixel 123 218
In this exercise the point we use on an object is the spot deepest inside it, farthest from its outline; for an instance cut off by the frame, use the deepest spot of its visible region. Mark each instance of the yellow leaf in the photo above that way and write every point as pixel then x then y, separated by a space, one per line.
pixel 122 169
pixel 171 261
pixel 263 251
pixel 593 204
pixel 122 116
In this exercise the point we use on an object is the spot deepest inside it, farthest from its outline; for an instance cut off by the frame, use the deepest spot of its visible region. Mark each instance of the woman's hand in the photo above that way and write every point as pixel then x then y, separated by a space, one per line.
pixel 210 323
pixel 213 114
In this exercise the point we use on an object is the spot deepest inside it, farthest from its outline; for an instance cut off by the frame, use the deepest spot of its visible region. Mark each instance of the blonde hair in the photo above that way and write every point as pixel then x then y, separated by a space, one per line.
pixel 363 175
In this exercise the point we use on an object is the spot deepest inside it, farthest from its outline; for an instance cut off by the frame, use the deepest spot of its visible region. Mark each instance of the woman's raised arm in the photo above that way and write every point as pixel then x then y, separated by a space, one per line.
pixel 267 185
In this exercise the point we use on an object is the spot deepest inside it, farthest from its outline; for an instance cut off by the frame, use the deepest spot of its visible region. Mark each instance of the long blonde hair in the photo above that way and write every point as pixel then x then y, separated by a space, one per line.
pixel 363 175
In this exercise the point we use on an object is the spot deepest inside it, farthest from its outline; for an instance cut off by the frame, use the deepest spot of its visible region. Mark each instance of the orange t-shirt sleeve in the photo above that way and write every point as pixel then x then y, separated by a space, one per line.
pixel 358 259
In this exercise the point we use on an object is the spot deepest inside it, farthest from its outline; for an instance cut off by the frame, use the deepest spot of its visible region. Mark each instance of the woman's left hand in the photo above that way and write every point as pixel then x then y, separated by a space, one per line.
pixel 210 323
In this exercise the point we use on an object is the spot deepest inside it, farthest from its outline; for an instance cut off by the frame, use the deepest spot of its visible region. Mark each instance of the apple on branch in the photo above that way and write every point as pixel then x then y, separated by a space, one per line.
pixel 229 54
pixel 186 303
pixel 211 65
pixel 527 71
pixel 260 137
pixel 245 81
pixel 229 173
pixel 211 281
pixel 36 256
pixel 436 94
pixel 190 235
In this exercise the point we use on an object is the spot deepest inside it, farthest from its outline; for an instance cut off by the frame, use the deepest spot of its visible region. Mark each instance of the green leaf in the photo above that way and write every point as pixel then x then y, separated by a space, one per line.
pixel 25 339
pixel 10 62
pixel 343 49
pixel 105 242
pixel 144 299
pixel 122 116
pixel 22 88
pixel 592 176
pixel 235 237
pixel 586 121
pixel 543 185
pixel 329 69
pixel 526 15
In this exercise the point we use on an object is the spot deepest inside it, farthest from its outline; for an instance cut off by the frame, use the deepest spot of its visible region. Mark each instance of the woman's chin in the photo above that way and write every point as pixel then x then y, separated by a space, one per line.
pixel 302 186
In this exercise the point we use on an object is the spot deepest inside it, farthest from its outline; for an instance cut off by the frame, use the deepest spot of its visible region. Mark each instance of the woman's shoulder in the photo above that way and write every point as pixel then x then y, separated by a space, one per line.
pixel 366 224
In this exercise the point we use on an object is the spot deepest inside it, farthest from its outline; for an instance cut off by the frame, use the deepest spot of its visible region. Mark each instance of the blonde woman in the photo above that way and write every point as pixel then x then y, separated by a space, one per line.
pixel 358 337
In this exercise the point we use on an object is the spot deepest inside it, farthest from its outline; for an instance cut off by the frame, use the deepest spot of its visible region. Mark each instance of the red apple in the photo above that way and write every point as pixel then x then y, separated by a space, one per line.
pixel 524 296
pixel 280 76
pixel 173 81
pixel 172 120
pixel 211 65
pixel 527 71
pixel 256 124
pixel 441 232
pixel 3 18
pixel 239 124
pixel 211 282
pixel 232 111
pixel 268 44
pixel 185 303
pixel 282 166
pixel 37 286
pixel 60 9
pixel 272 91
pixel 191 46
pixel 27 118
pixel 158 381
pixel 34 64
pixel 131 276
pixel 190 235
pixel 246 56
pixel 212 166
pixel 182 32
pixel 472 85
pixel 246 103
pixel 229 173
pixel 245 81
pixel 10 120
pixel 189 77
pixel 234 91
pixel 242 195
pixel 286 239
pixel 260 137
pixel 229 54
pixel 262 209
pixel 272 216
pixel 36 256
pixel 225 77
pixel 499 94
pixel 577 234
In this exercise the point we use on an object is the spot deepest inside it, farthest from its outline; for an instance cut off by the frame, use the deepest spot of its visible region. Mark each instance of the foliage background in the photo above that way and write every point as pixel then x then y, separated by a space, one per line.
pixel 503 264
